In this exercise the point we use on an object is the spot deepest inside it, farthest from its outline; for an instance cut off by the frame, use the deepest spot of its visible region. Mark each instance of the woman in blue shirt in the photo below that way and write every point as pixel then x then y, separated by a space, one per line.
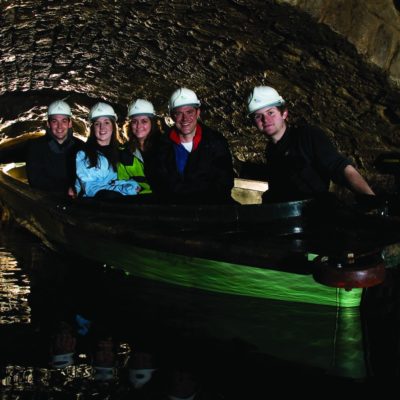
pixel 96 164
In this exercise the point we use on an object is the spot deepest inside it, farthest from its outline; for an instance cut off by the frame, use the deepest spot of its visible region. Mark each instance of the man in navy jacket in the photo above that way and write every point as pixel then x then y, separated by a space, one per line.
pixel 194 161
pixel 50 163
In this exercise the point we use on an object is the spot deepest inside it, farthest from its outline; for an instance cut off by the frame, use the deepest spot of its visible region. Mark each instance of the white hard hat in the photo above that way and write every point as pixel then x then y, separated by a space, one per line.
pixel 141 107
pixel 263 96
pixel 183 97
pixel 59 107
pixel 102 110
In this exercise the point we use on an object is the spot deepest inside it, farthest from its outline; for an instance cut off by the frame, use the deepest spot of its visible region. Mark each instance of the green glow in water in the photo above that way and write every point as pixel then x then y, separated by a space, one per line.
pixel 221 277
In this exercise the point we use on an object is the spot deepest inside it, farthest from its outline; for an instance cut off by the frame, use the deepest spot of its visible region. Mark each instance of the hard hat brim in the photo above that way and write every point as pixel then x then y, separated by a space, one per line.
pixel 105 116
pixel 195 105
pixel 65 115
pixel 275 104
pixel 143 114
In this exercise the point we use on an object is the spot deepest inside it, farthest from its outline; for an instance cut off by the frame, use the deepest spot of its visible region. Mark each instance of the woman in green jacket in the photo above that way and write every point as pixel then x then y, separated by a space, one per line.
pixel 137 155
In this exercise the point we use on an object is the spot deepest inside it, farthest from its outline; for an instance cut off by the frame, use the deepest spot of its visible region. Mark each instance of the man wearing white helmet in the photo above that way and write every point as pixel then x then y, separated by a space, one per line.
pixel 138 153
pixel 195 163
pixel 50 160
pixel 301 161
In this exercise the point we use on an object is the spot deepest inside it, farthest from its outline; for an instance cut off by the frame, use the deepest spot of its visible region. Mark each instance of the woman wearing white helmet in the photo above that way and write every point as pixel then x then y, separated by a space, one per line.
pixel 96 165
pixel 137 155
pixel 301 161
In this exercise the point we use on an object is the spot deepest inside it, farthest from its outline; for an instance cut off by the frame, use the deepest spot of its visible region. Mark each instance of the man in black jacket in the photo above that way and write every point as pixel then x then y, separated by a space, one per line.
pixel 50 163
pixel 194 161
pixel 301 162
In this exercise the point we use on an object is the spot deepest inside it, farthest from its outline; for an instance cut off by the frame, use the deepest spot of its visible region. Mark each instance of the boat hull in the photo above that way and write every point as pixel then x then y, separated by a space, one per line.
pixel 253 251
pixel 262 286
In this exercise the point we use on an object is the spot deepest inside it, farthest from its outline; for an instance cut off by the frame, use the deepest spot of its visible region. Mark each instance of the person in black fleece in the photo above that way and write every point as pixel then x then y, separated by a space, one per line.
pixel 300 161
pixel 194 164
pixel 50 163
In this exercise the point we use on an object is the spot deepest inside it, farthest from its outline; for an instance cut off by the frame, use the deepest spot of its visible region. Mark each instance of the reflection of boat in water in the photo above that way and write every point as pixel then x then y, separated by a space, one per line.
pixel 253 250
pixel 322 339
pixel 230 331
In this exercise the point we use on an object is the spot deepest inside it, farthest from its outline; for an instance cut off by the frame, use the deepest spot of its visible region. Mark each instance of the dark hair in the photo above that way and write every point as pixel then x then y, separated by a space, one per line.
pixel 50 117
pixel 92 148
pixel 282 108
pixel 132 141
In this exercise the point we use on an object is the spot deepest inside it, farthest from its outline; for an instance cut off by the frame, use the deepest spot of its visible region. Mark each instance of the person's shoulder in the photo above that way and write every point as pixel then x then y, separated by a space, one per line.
pixel 125 155
pixel 156 137
pixel 212 133
pixel 164 138
pixel 80 154
pixel 306 129
pixel 78 142
pixel 37 143
pixel 123 148
pixel 77 139
pixel 307 132
pixel 38 140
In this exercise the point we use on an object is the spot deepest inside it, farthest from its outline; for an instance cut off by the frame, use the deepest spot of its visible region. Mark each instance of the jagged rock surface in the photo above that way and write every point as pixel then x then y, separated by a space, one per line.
pixel 118 50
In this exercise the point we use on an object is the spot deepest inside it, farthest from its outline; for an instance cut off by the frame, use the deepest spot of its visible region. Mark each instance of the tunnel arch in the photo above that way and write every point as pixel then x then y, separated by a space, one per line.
pixel 115 51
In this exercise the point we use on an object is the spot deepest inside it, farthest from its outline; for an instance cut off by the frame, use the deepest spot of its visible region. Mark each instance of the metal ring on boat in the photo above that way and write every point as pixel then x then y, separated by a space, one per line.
pixel 349 272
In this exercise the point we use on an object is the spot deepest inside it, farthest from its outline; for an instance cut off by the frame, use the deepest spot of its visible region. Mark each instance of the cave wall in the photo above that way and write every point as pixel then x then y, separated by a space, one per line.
pixel 372 26
pixel 90 50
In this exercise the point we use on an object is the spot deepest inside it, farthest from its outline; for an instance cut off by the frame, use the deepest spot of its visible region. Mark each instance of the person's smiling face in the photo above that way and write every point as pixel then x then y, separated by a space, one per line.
pixel 271 121
pixel 59 125
pixel 103 129
pixel 185 119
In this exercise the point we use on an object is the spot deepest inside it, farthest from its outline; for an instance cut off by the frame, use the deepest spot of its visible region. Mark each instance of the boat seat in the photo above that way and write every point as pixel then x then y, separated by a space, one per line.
pixel 249 191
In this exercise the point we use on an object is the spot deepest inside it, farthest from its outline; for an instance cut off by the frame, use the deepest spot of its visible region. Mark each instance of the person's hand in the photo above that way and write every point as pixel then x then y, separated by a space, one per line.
pixel 71 193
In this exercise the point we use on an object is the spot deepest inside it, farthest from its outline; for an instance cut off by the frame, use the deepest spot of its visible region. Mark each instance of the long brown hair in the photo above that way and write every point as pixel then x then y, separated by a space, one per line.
pixel 132 142
pixel 92 148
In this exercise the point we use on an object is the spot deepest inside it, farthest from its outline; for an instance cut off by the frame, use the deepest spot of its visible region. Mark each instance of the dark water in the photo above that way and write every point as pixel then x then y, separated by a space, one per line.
pixel 220 346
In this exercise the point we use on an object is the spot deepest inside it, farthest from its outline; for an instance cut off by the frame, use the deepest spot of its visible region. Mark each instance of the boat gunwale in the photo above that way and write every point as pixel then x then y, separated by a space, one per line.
pixel 208 213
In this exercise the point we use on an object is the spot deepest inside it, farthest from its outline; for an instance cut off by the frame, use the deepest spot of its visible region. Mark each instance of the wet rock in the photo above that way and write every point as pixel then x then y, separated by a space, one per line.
pixel 115 51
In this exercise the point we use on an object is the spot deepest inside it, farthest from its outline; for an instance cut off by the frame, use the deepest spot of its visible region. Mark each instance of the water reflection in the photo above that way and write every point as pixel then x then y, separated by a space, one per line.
pixel 110 350
pixel 14 288
pixel 127 330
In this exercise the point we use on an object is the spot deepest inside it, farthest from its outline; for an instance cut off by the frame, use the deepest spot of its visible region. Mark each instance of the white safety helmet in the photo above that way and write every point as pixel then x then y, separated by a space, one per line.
pixel 59 107
pixel 141 107
pixel 263 96
pixel 102 110
pixel 183 97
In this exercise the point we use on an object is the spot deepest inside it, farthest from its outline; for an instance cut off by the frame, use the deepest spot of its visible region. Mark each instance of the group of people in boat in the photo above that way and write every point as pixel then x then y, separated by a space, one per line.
pixel 189 163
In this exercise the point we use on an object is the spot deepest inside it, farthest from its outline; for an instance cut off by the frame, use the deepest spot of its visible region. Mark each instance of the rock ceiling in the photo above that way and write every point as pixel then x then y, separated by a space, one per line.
pixel 117 50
